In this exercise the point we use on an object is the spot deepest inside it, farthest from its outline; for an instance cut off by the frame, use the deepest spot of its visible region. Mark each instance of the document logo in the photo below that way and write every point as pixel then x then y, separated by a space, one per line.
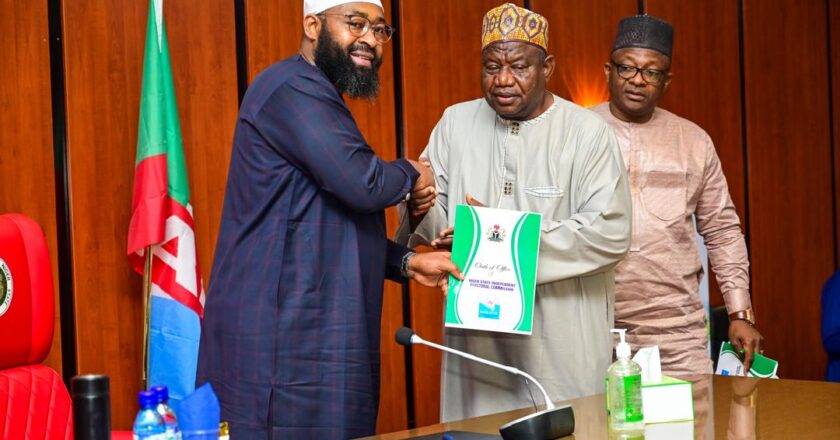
pixel 489 310
pixel 496 233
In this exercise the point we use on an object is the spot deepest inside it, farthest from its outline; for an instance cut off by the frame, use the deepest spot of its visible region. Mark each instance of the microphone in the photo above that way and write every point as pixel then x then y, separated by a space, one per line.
pixel 548 424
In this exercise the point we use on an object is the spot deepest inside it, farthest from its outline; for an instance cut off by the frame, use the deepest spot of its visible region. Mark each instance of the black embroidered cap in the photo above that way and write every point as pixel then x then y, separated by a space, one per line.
pixel 645 31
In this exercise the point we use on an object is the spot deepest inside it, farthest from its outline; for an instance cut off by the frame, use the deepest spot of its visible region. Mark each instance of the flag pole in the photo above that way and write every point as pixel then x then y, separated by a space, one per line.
pixel 147 304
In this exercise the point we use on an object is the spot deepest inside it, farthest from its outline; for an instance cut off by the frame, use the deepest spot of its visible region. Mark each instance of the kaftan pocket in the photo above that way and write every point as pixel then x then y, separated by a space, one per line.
pixel 663 193
pixel 546 200
pixel 546 192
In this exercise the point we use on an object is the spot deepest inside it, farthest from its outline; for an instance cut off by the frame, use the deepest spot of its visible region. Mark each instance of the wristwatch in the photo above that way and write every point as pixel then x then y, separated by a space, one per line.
pixel 743 315
pixel 404 264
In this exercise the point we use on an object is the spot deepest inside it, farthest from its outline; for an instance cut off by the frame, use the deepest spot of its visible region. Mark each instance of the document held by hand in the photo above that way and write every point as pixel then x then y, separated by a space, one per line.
pixel 497 251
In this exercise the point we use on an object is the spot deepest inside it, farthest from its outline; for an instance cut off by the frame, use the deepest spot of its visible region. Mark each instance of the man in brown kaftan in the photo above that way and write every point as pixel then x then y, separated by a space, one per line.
pixel 675 178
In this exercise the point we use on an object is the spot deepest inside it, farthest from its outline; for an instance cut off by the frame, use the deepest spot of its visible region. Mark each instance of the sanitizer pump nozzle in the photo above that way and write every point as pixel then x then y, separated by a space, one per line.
pixel 622 350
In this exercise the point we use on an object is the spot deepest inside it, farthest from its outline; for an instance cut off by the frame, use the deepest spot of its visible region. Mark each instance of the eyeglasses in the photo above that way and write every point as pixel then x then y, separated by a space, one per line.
pixel 651 76
pixel 359 27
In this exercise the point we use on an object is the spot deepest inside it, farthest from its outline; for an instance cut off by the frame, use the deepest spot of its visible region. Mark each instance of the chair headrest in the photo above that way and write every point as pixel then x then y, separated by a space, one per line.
pixel 26 292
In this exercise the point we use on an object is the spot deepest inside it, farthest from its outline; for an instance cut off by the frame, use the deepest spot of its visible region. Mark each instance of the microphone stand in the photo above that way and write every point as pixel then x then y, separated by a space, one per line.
pixel 548 424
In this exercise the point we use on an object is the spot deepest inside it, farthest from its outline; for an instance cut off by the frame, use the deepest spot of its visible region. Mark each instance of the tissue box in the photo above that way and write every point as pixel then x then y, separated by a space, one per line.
pixel 671 400
pixel 670 431
pixel 668 401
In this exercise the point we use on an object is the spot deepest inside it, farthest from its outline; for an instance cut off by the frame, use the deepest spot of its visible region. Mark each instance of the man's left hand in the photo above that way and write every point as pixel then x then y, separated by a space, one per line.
pixel 432 269
pixel 444 239
pixel 473 202
pixel 743 336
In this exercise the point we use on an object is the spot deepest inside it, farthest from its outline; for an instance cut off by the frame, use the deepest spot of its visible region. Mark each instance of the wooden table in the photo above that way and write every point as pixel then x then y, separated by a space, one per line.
pixel 724 408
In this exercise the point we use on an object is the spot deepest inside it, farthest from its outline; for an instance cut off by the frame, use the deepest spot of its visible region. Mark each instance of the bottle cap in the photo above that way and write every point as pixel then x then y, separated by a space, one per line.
pixel 147 398
pixel 161 391
pixel 622 350
pixel 89 385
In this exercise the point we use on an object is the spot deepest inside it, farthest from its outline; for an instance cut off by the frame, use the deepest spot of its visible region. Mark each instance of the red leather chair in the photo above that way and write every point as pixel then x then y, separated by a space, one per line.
pixel 34 403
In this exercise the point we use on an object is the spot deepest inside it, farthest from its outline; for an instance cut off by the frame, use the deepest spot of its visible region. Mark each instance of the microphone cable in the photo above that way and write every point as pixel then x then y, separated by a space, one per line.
pixel 528 387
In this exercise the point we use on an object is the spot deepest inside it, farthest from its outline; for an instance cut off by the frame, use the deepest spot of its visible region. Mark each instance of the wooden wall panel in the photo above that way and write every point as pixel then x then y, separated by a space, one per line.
pixel 580 37
pixel 27 183
pixel 204 69
pixel 789 172
pixel 103 61
pixel 706 84
pixel 274 31
pixel 441 65
pixel 834 42
pixel 103 64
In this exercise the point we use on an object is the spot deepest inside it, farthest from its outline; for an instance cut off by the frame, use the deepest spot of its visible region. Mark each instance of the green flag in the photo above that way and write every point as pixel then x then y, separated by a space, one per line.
pixel 162 221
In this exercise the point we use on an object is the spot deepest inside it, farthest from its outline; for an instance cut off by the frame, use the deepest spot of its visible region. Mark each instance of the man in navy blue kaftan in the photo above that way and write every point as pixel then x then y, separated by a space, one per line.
pixel 290 339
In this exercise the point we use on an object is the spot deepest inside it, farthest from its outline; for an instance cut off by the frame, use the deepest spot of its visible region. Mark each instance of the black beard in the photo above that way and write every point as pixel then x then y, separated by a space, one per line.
pixel 336 63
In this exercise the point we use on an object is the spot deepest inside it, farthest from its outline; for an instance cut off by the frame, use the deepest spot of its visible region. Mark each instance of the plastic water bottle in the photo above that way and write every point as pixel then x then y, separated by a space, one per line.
pixel 624 391
pixel 149 424
pixel 165 411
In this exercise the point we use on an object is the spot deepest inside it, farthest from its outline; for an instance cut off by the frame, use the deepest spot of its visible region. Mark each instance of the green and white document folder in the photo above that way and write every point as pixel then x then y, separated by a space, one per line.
pixel 730 364
pixel 496 250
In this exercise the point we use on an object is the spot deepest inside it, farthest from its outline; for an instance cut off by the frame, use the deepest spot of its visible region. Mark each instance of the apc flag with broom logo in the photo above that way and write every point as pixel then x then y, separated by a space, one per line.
pixel 162 218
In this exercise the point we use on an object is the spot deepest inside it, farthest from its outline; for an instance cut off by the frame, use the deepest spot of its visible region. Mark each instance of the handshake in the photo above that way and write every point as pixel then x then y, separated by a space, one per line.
pixel 422 196
pixel 431 269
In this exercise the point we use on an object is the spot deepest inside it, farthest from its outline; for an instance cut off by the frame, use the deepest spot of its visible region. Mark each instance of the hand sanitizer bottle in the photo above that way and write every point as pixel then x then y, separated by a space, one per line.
pixel 624 390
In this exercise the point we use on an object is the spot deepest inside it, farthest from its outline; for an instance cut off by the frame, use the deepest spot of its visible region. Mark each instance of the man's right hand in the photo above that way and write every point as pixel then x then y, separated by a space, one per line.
pixel 432 269
pixel 424 192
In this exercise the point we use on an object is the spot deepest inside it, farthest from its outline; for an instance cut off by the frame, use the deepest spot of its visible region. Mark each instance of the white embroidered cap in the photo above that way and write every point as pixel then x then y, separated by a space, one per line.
pixel 316 6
